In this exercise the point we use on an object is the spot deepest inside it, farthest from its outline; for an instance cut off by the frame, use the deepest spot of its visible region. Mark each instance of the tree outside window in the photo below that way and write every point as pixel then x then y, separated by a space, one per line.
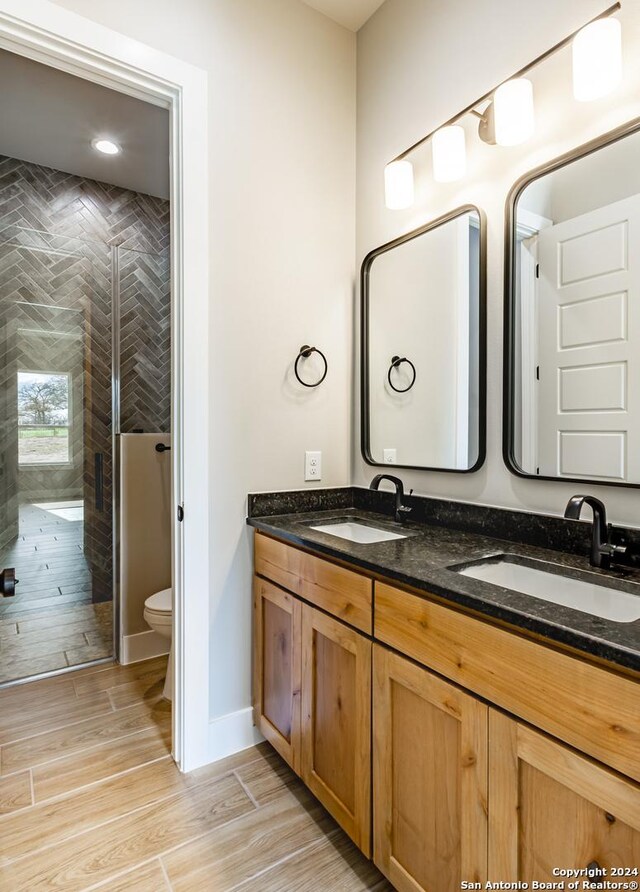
pixel 43 418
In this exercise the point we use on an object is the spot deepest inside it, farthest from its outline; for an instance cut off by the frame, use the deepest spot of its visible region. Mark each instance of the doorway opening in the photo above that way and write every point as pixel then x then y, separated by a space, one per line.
pixel 85 365
pixel 70 43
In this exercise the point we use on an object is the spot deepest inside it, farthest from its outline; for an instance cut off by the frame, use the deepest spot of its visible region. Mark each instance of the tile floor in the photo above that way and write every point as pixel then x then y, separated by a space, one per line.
pixel 51 622
pixel 91 799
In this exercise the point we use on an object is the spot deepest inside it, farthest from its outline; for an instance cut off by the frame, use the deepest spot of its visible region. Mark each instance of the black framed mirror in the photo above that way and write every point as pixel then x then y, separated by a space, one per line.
pixel 572 316
pixel 423 352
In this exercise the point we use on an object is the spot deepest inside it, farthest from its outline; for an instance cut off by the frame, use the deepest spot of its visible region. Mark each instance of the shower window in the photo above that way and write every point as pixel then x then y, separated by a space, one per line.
pixel 43 418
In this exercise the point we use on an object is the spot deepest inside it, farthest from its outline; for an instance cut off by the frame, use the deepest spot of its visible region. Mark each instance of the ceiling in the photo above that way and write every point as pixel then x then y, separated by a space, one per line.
pixel 50 117
pixel 352 14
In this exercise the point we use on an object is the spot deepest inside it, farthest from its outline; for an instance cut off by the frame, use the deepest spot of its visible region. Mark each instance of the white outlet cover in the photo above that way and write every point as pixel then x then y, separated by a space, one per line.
pixel 313 466
pixel 390 456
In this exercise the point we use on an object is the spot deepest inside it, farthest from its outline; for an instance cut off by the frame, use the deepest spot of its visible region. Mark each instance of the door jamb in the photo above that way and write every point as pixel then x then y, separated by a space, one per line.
pixel 50 34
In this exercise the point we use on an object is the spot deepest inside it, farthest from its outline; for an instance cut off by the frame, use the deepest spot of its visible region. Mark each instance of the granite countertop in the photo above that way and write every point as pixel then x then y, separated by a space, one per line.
pixel 423 560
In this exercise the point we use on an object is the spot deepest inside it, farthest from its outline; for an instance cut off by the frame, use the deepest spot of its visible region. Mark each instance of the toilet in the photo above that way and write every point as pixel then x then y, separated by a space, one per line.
pixel 158 613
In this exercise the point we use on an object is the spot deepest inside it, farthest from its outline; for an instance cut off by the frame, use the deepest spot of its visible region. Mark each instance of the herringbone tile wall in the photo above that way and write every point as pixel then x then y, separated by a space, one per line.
pixel 34 197
pixel 61 237
pixel 145 341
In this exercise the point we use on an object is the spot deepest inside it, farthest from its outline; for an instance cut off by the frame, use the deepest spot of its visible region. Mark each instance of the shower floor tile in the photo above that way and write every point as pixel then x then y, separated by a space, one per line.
pixel 51 622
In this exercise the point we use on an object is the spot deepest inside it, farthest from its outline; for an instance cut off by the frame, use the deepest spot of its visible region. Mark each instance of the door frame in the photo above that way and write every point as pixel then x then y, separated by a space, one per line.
pixel 40 30
pixel 528 226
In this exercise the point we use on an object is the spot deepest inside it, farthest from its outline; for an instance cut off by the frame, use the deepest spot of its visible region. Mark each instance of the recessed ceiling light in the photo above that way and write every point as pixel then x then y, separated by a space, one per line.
pixel 106 146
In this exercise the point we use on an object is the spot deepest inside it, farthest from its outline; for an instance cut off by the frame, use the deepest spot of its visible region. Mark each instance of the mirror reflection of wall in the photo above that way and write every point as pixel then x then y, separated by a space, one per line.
pixel 423 307
pixel 576 319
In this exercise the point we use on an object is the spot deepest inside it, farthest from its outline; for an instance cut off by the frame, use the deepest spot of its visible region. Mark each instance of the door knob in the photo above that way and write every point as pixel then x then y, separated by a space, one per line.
pixel 8 582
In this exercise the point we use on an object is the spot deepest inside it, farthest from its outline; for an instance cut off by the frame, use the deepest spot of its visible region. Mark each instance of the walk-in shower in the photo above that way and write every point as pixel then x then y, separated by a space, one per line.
pixel 85 346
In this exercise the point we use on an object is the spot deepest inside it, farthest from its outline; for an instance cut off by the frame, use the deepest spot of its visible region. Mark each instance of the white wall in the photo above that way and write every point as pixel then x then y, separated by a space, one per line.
pixel 612 174
pixel 145 539
pixel 282 193
pixel 419 62
pixel 282 107
pixel 408 317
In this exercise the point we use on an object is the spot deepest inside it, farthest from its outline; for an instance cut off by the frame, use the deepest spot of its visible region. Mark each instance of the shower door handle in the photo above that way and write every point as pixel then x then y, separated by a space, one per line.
pixel 99 481
pixel 8 582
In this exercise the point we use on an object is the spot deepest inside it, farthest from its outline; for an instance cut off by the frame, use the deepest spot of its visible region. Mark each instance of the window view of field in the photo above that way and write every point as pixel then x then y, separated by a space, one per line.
pixel 43 418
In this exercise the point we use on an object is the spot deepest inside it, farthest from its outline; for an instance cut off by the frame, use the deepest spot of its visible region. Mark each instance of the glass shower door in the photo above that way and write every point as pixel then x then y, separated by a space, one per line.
pixel 55 452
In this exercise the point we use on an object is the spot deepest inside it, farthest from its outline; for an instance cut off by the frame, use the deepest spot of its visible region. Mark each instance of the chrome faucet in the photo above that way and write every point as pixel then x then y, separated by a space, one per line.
pixel 603 551
pixel 401 510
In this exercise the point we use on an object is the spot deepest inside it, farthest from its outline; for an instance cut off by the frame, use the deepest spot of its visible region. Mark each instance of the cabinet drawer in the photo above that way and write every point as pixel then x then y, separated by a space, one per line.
pixel 591 708
pixel 341 592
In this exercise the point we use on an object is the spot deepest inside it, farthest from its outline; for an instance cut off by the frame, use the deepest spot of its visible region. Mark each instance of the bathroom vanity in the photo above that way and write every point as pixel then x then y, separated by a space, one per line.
pixel 457 730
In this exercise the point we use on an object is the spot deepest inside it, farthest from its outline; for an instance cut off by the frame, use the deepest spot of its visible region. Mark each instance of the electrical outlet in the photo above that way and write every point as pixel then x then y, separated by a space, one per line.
pixel 313 466
pixel 390 456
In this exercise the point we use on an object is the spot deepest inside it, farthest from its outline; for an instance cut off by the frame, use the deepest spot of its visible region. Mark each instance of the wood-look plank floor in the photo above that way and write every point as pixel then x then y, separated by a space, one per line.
pixel 91 799
pixel 51 622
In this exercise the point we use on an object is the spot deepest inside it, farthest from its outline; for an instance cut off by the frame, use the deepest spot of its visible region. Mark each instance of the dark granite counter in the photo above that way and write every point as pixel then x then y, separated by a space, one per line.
pixel 423 560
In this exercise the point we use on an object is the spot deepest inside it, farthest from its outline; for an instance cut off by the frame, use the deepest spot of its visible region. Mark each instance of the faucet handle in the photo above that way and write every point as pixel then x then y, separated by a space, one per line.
pixel 615 549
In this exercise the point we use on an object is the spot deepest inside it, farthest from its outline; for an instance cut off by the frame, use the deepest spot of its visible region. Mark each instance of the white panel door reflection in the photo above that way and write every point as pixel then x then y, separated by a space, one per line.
pixel 588 312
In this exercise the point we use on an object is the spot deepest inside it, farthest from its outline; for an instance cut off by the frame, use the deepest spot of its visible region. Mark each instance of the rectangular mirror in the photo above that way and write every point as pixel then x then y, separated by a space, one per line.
pixel 423 347
pixel 572 370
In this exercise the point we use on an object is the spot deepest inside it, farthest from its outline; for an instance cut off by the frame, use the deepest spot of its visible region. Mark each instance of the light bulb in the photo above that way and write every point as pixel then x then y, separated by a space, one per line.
pixel 449 154
pixel 597 59
pixel 106 146
pixel 513 111
pixel 398 185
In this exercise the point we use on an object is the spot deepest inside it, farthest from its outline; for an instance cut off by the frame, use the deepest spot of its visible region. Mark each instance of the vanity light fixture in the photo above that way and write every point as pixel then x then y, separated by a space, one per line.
pixel 106 146
pixel 398 185
pixel 449 154
pixel 506 112
pixel 513 112
pixel 597 59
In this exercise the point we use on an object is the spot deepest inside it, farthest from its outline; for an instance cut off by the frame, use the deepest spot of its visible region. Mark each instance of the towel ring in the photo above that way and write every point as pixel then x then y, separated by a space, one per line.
pixel 305 353
pixel 396 361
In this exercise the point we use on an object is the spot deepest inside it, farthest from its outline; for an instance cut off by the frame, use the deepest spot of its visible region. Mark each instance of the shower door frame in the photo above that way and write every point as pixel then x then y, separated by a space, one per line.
pixel 40 30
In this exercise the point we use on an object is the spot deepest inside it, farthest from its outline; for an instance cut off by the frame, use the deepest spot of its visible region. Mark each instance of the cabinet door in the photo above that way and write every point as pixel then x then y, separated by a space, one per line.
pixel 551 807
pixel 336 721
pixel 277 665
pixel 430 769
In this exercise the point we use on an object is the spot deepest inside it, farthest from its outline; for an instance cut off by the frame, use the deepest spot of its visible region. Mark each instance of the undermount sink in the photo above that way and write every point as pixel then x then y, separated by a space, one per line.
pixel 357 532
pixel 568 591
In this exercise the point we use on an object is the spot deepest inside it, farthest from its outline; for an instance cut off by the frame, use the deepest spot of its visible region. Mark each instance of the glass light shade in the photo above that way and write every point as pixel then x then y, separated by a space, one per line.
pixel 398 185
pixel 513 111
pixel 449 154
pixel 597 59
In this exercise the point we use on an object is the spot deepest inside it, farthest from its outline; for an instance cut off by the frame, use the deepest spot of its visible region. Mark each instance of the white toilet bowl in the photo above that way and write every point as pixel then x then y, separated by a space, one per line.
pixel 158 613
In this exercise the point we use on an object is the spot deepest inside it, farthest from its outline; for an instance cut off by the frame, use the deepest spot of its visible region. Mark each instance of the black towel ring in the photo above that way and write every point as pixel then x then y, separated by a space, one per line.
pixel 396 361
pixel 305 353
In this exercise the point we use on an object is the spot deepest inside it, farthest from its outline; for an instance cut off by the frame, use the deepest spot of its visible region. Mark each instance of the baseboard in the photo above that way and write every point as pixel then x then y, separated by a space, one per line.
pixel 142 646
pixel 232 733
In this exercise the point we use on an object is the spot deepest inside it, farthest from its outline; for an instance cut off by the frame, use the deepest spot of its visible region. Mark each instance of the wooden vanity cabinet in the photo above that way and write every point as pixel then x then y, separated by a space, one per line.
pixel 493 756
pixel 277 666
pixel 312 678
pixel 552 807
pixel 336 721
pixel 430 774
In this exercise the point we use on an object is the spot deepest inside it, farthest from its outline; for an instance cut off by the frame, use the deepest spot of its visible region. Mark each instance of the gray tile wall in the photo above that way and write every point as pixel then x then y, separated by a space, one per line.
pixel 58 237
